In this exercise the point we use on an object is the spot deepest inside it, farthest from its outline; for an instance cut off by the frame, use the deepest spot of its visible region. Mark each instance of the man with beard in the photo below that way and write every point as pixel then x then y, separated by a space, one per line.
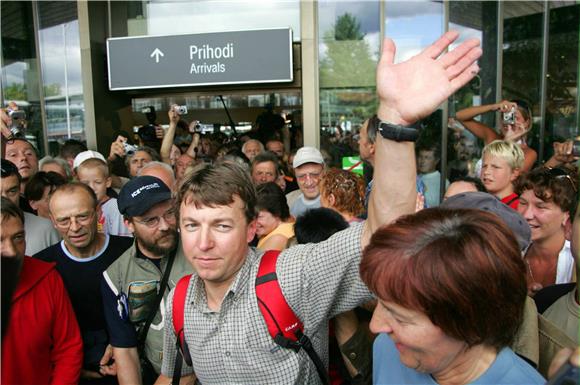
pixel 136 285
pixel 81 257
pixel 41 343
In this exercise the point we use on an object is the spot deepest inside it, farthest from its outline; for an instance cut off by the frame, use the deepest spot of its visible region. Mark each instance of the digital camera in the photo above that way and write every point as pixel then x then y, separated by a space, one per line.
pixel 18 122
pixel 129 148
pixel 510 116
pixel 181 110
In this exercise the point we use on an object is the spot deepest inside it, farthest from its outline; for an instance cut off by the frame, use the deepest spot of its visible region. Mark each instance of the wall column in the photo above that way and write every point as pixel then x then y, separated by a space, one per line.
pixel 310 89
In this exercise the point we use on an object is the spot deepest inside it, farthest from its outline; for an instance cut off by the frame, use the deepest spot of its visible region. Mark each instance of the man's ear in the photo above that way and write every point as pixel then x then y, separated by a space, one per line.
pixel 129 225
pixel 251 231
pixel 33 204
pixel 372 149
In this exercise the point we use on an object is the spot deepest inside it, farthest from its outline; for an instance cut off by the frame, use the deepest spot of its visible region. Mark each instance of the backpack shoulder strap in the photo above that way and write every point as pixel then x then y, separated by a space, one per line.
pixel 178 310
pixel 283 325
pixel 279 317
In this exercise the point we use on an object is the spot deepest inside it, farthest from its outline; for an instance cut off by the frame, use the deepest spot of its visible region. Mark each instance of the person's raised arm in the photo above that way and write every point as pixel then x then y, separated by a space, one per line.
pixel 169 136
pixel 407 92
pixel 482 131
pixel 192 149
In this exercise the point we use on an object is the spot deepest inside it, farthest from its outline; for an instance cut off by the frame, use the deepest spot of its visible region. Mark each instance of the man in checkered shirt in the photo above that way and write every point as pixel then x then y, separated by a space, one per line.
pixel 225 331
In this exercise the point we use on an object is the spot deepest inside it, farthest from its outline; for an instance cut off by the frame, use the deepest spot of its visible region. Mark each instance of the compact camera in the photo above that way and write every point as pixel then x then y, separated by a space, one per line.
pixel 18 121
pixel 147 110
pixel 129 148
pixel 181 110
pixel 510 116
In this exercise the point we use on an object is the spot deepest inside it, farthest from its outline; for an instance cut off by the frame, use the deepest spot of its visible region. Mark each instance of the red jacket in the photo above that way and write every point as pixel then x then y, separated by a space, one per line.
pixel 43 343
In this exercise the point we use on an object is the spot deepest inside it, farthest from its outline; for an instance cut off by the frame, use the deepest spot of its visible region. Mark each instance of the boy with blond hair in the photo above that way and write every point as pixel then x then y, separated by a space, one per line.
pixel 502 162
pixel 94 172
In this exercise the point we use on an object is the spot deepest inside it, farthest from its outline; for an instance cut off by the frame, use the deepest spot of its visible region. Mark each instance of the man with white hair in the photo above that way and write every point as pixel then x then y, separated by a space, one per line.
pixel 308 166
pixel 251 148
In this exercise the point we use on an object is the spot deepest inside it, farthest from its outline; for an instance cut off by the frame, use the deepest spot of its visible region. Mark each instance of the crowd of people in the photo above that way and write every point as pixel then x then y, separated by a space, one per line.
pixel 390 285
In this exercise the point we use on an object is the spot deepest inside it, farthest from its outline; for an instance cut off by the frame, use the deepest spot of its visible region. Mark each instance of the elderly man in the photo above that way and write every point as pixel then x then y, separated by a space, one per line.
pixel 135 285
pixel 42 343
pixel 81 258
pixel 308 166
pixel 224 328
pixel 251 148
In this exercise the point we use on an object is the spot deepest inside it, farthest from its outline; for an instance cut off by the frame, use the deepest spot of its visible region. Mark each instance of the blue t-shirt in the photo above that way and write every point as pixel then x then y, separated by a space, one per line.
pixel 507 368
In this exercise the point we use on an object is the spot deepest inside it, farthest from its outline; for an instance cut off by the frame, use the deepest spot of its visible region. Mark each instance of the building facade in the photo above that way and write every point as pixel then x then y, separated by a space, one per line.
pixel 54 65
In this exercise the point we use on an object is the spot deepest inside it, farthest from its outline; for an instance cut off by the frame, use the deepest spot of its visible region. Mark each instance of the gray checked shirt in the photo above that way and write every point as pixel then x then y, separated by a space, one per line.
pixel 233 346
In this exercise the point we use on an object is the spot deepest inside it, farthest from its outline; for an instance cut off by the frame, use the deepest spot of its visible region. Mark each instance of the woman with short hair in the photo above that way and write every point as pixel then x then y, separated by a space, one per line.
pixel 548 198
pixel 451 289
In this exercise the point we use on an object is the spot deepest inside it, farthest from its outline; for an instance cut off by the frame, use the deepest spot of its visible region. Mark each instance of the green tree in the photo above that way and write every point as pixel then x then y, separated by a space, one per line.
pixel 16 91
pixel 347 28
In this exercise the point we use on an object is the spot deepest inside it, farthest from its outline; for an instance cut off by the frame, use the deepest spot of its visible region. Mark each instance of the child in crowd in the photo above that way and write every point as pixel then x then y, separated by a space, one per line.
pixel 94 172
pixel 502 162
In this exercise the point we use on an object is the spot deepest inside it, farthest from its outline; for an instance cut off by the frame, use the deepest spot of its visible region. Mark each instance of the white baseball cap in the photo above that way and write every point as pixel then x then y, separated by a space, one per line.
pixel 85 155
pixel 307 155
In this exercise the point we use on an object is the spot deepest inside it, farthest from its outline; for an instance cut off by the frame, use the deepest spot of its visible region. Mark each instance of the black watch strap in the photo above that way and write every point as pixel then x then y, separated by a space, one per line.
pixel 399 133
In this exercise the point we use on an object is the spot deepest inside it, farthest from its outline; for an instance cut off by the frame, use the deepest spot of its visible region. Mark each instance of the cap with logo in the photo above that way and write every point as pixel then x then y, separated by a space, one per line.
pixel 86 155
pixel 307 155
pixel 487 202
pixel 140 194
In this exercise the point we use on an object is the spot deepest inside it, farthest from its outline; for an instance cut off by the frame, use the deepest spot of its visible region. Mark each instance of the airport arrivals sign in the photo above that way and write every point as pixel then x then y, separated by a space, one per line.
pixel 239 57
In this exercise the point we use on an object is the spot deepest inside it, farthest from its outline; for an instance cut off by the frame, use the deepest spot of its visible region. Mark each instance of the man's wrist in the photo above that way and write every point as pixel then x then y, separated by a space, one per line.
pixel 399 133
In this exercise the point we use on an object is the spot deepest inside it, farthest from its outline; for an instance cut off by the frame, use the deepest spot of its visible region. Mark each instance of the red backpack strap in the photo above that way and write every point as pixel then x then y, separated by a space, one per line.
pixel 283 324
pixel 279 317
pixel 178 310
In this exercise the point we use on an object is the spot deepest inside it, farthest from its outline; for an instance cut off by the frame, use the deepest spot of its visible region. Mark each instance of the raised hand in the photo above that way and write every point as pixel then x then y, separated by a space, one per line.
pixel 413 89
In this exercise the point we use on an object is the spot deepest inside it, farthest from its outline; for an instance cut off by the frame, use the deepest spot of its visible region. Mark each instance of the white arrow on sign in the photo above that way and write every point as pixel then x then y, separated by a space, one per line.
pixel 157 53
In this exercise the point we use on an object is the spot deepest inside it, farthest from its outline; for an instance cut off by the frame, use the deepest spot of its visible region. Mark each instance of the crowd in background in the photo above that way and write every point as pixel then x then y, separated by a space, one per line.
pixel 304 196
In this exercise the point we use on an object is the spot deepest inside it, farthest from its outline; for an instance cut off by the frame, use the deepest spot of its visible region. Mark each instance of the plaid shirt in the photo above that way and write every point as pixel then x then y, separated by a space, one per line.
pixel 233 346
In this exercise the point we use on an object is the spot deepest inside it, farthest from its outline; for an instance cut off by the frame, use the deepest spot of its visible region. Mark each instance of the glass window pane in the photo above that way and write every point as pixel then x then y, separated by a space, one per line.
pixel 413 26
pixel 179 17
pixel 523 43
pixel 349 44
pixel 19 76
pixel 474 19
pixel 562 87
pixel 61 70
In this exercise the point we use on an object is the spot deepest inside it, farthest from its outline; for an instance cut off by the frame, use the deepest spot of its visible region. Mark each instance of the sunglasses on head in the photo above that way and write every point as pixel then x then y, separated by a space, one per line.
pixel 558 173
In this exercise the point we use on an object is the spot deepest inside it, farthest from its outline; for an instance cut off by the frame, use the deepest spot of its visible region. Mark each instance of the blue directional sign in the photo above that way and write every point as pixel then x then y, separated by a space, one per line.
pixel 239 57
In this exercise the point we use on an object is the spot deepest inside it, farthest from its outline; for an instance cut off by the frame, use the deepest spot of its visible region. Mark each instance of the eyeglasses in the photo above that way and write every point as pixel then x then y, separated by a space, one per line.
pixel 311 175
pixel 558 173
pixel 83 219
pixel 151 222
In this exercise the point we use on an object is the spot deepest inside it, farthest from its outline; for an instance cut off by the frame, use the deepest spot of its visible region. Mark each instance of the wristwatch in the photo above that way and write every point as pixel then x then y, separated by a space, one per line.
pixel 400 133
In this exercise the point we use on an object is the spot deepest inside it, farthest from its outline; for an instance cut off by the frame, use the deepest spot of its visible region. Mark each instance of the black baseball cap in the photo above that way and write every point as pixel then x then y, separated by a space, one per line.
pixel 140 194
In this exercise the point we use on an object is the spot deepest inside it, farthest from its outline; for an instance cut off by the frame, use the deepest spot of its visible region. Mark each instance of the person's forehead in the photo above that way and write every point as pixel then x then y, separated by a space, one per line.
pixel 253 145
pixel 274 144
pixel 141 155
pixel 498 159
pixel 60 200
pixel 11 225
pixel 265 164
pixel 19 145
pixel 9 182
pixel 237 207
pixel 90 171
